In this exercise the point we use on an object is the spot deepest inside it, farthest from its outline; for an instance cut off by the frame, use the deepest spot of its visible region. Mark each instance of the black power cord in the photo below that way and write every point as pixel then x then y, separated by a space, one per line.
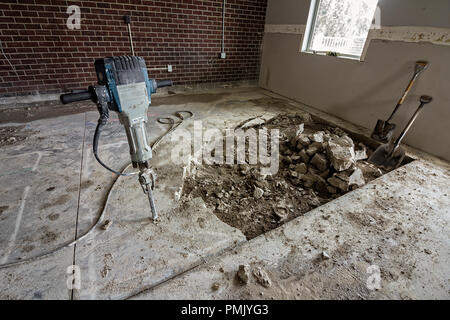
pixel 101 123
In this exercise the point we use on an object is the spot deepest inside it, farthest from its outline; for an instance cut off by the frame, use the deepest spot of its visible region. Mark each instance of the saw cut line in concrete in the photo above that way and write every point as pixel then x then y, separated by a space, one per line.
pixel 20 214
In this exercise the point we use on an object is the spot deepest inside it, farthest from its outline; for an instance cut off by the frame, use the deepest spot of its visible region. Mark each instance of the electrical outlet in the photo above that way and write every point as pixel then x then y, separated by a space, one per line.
pixel 169 68
pixel 223 55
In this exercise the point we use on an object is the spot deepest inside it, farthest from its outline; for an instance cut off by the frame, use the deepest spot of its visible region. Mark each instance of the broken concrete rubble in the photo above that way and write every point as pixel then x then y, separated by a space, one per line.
pixel 215 286
pixel 258 193
pixel 339 183
pixel 308 180
pixel 369 170
pixel 252 123
pixel 243 274
pixel 280 212
pixel 106 224
pixel 356 178
pixel 293 133
pixel 303 156
pixel 262 277
pixel 346 179
pixel 301 141
pixel 320 162
pixel 301 168
pixel 313 148
pixel 317 136
pixel 360 152
pixel 325 255
pixel 341 153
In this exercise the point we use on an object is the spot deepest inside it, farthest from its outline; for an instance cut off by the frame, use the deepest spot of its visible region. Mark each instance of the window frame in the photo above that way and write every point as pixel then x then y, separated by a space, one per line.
pixel 307 37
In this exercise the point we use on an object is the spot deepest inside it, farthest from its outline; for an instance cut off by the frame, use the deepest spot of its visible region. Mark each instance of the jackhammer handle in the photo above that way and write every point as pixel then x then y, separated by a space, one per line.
pixel 73 97
pixel 164 83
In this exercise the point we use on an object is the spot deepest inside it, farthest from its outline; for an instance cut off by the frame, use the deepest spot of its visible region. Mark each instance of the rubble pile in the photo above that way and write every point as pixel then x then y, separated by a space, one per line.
pixel 327 160
pixel 318 163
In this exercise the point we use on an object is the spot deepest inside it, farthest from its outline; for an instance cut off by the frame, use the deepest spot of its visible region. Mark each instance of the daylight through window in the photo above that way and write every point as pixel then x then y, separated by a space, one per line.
pixel 339 26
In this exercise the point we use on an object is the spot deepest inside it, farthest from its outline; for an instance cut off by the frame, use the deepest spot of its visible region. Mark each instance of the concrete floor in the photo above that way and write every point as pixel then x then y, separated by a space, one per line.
pixel 52 190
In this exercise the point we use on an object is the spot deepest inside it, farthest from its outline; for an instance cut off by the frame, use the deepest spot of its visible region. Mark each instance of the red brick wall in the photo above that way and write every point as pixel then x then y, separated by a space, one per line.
pixel 50 58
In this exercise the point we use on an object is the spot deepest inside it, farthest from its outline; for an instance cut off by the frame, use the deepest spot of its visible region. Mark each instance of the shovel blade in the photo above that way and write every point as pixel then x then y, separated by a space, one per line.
pixel 383 131
pixel 382 157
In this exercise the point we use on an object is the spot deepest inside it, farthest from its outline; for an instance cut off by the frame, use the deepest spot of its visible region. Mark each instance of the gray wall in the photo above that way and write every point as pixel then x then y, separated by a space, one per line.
pixel 362 92
pixel 287 11
pixel 433 13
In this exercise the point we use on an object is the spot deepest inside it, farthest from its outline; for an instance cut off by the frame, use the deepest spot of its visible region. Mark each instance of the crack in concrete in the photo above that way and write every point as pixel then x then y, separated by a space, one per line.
pixel 79 198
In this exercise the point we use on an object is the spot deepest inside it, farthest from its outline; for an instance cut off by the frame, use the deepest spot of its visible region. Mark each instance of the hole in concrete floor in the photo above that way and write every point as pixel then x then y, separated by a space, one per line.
pixel 317 164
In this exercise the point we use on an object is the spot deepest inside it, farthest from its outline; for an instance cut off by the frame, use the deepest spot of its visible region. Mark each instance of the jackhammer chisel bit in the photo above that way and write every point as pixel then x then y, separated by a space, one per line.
pixel 147 180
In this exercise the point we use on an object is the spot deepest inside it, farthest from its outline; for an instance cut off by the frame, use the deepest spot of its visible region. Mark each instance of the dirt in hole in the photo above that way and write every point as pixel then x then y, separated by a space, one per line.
pixel 317 163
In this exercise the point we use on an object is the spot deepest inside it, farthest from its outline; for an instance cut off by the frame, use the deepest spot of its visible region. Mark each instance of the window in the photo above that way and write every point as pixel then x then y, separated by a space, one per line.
pixel 339 27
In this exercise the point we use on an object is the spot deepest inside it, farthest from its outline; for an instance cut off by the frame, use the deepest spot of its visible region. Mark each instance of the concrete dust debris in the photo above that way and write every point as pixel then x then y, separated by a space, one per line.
pixel 215 286
pixel 106 224
pixel 325 255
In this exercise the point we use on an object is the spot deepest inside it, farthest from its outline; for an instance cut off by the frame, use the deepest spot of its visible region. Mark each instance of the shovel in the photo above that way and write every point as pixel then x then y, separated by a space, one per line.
pixel 390 155
pixel 383 130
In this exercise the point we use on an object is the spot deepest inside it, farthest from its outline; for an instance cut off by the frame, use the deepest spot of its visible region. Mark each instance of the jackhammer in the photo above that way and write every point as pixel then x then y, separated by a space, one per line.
pixel 124 87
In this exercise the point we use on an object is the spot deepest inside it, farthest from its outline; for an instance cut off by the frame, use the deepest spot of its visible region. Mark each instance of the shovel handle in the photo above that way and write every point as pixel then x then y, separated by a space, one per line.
pixel 423 101
pixel 420 66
